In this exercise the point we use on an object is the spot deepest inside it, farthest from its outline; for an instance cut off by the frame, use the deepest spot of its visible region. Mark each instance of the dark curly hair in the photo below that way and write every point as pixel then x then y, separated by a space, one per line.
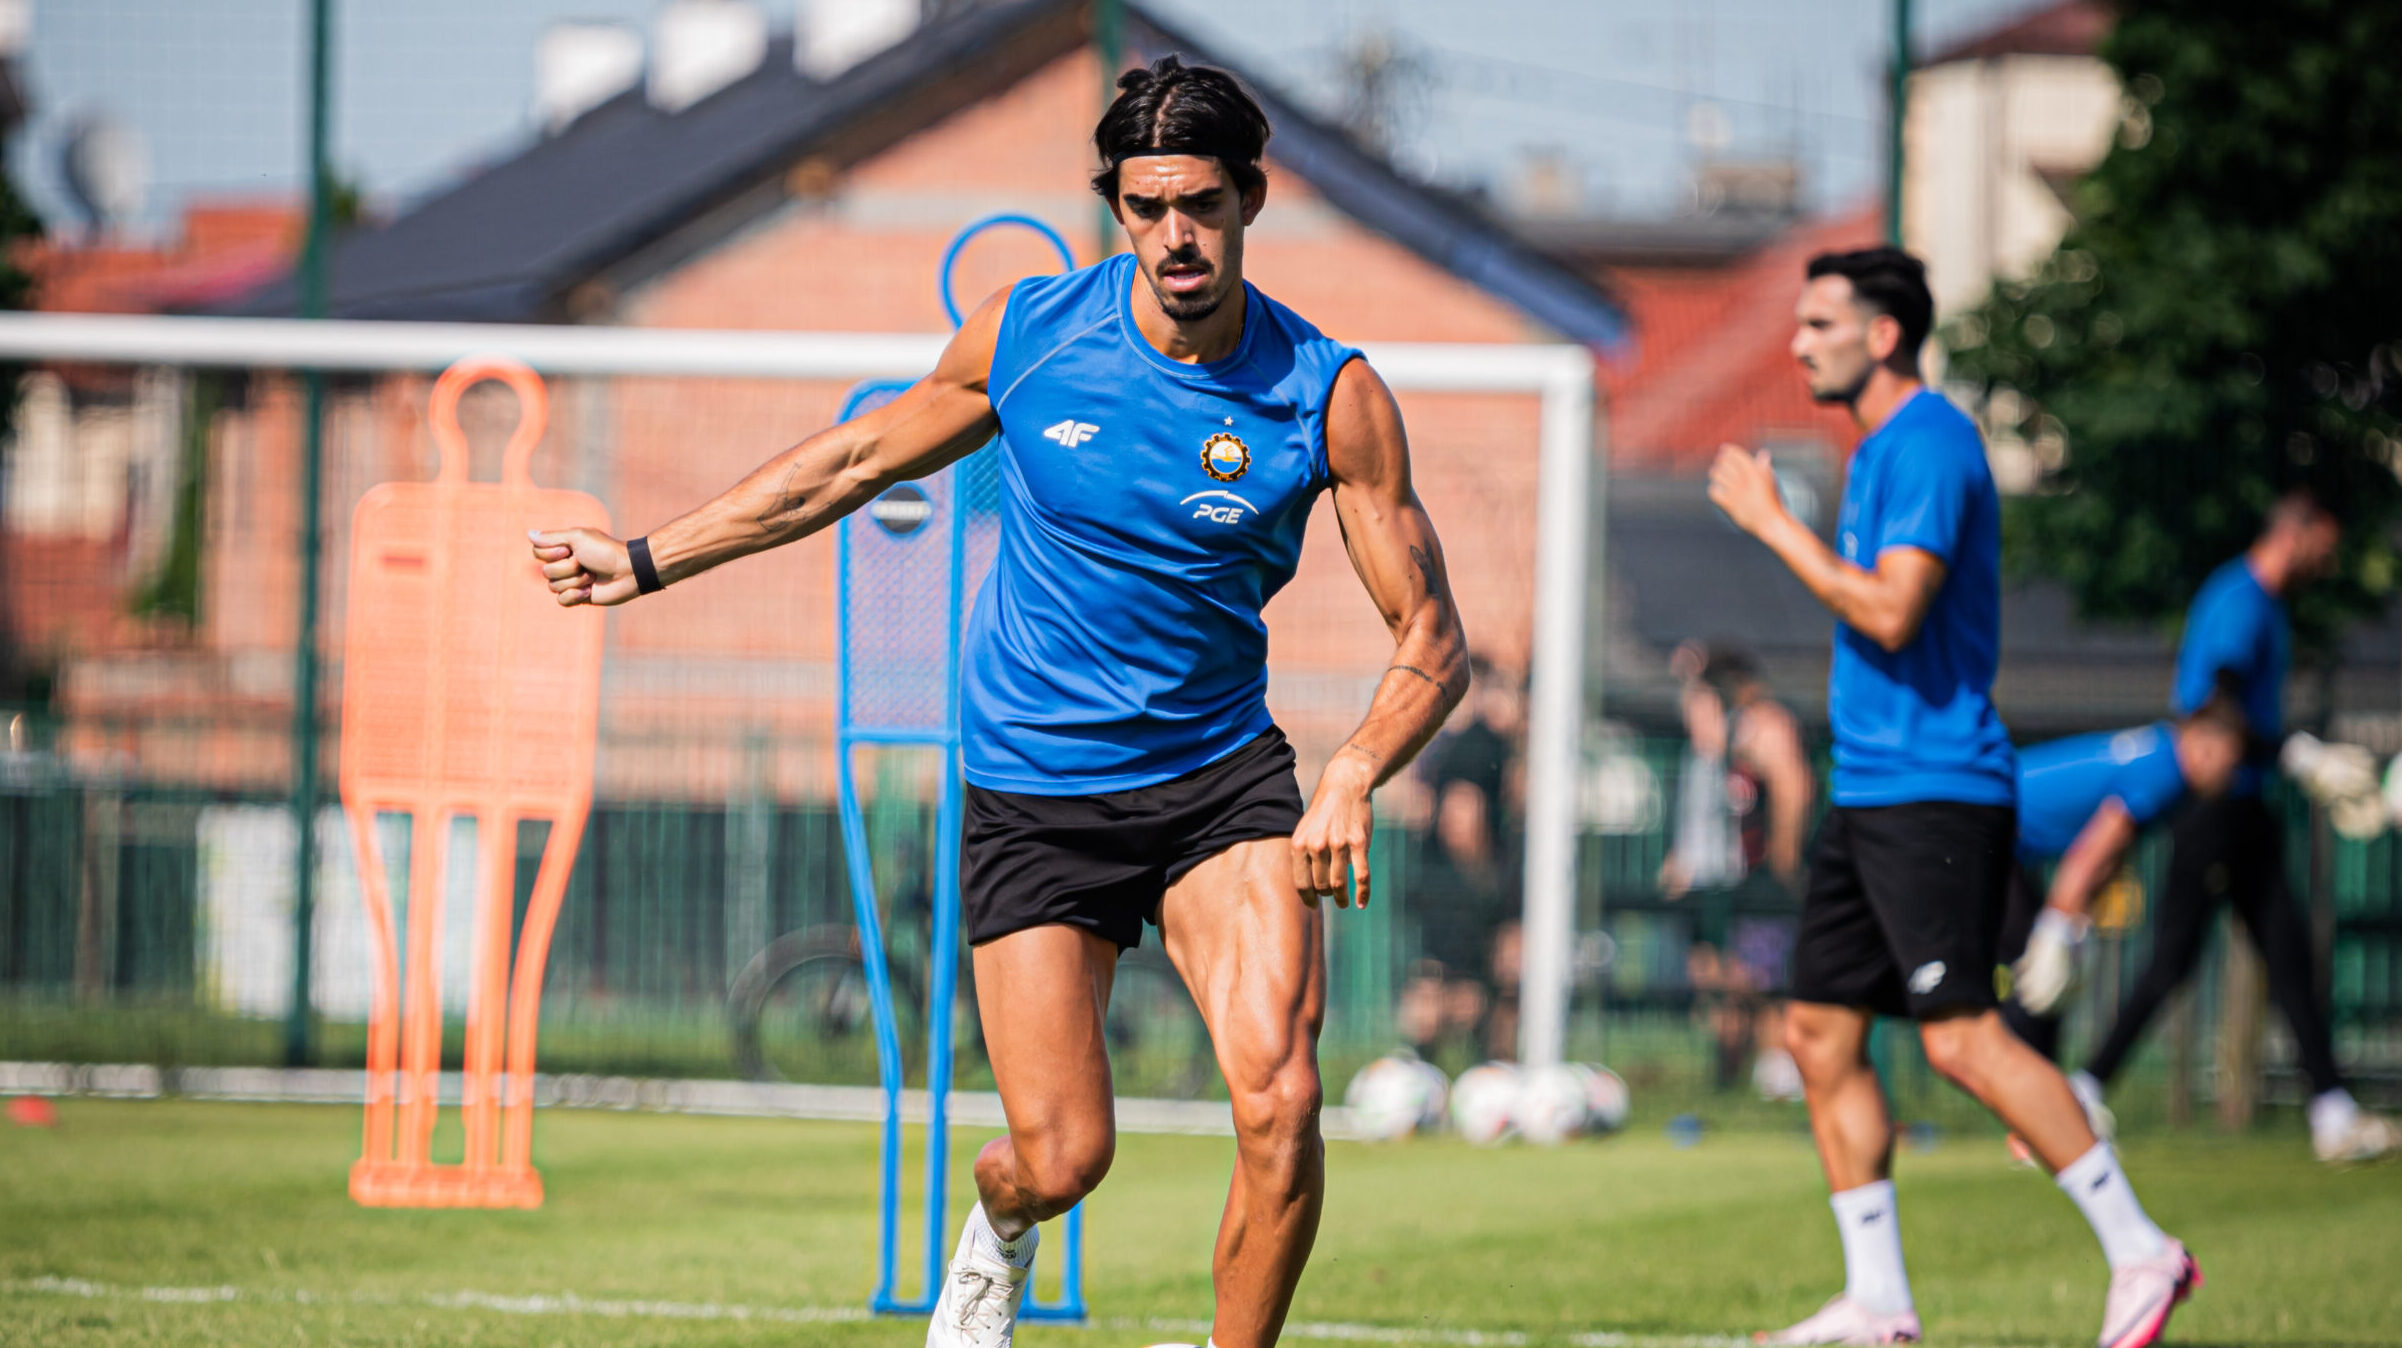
pixel 1169 107
pixel 1886 281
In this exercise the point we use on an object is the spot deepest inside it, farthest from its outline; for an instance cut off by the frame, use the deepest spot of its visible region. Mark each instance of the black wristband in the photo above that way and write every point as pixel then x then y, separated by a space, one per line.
pixel 646 573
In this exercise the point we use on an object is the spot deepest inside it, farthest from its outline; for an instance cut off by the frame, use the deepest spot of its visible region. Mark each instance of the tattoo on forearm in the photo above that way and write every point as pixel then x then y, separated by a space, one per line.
pixel 1365 752
pixel 1448 687
pixel 1430 567
pixel 790 500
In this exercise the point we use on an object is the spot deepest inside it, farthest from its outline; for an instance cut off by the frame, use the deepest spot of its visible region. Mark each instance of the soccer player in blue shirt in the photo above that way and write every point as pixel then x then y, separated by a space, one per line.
pixel 2082 802
pixel 1908 872
pixel 1164 431
pixel 2237 638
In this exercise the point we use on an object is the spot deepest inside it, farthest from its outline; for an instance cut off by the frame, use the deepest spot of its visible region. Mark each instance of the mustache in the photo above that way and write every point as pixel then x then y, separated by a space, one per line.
pixel 1186 257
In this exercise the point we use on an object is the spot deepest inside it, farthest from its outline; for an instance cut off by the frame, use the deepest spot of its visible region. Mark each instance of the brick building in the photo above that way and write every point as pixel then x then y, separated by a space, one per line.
pixel 785 198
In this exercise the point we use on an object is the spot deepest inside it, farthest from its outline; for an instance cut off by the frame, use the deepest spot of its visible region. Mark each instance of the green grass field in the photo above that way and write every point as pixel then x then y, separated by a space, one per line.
pixel 179 1223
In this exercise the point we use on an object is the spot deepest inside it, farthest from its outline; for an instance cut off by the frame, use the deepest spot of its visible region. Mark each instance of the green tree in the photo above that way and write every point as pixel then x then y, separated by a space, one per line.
pixel 2224 320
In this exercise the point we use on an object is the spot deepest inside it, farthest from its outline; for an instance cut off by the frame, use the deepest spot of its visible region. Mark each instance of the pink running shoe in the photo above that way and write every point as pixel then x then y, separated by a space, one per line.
pixel 2142 1295
pixel 1843 1320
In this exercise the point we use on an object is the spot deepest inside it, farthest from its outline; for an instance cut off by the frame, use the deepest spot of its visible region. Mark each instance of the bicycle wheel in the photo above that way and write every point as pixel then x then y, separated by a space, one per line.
pixel 801 1011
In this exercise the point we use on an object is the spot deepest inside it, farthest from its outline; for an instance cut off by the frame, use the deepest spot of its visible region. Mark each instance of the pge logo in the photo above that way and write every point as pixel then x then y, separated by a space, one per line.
pixel 1219 507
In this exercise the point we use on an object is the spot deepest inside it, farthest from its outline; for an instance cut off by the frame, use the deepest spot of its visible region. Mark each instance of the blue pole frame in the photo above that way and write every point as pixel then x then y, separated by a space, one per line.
pixel 943 978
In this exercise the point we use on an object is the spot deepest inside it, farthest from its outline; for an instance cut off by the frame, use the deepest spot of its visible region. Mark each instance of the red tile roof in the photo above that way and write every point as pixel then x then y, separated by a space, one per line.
pixel 227 248
pixel 1712 363
pixel 2072 28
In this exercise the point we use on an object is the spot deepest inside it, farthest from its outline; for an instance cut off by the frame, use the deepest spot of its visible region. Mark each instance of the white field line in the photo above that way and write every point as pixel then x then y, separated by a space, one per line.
pixel 568 1303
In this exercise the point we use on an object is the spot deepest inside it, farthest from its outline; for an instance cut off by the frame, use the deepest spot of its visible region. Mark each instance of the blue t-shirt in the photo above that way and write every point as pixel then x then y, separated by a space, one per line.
pixel 2062 783
pixel 2237 628
pixel 1149 510
pixel 1918 724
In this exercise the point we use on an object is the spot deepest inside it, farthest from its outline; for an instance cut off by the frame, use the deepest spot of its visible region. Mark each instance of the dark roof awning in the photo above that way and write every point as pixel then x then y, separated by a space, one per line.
pixel 513 242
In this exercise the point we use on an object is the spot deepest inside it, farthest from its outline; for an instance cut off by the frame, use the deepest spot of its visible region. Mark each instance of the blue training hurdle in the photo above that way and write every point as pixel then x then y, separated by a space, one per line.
pixel 908 566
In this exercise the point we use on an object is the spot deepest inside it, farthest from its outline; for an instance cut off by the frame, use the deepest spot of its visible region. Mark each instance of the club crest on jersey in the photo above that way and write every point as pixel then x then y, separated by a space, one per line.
pixel 1225 457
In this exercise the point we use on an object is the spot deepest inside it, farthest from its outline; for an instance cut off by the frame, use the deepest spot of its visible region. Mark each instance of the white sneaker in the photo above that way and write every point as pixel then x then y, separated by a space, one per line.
pixel 2097 1115
pixel 980 1294
pixel 2142 1295
pixel 1843 1320
pixel 2366 1138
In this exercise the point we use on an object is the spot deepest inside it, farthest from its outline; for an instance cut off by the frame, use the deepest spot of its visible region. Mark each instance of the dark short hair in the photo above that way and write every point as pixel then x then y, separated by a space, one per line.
pixel 2304 503
pixel 1889 281
pixel 1169 107
pixel 2223 711
pixel 1727 669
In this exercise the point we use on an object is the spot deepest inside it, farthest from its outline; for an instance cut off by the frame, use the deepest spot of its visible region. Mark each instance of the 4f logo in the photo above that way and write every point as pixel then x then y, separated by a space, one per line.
pixel 1071 433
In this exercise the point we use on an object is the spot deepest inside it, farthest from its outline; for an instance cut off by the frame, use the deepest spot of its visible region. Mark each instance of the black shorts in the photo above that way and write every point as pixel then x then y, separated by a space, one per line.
pixel 1104 862
pixel 1905 907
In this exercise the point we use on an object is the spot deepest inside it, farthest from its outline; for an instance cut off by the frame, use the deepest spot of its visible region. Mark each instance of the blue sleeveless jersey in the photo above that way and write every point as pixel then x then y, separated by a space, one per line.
pixel 1149 510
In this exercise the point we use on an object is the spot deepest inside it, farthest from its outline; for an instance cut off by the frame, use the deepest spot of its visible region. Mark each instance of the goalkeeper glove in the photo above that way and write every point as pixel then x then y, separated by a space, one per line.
pixel 2047 972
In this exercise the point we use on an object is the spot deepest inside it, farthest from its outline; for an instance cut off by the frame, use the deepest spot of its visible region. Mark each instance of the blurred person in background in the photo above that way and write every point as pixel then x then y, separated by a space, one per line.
pixel 2232 849
pixel 2082 803
pixel 1745 787
pixel 1744 792
pixel 1912 861
pixel 1464 989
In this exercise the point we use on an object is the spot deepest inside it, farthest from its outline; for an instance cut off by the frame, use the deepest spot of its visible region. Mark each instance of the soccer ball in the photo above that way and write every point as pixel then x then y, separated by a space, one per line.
pixel 1395 1096
pixel 1484 1103
pixel 1555 1103
pixel 1606 1097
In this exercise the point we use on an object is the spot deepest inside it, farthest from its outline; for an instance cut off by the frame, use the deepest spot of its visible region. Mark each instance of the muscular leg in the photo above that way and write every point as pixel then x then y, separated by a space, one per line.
pixel 1978 1053
pixel 1043 994
pixel 1847 1108
pixel 1248 948
pixel 2266 904
pixel 2199 875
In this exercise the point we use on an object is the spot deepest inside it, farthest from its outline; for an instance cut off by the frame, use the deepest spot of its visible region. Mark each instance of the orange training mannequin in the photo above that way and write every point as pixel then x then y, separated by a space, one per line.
pixel 466 690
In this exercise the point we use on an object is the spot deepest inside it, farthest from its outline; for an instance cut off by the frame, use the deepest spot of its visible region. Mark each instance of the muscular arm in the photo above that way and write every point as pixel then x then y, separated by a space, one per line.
pixel 1394 549
pixel 938 419
pixel 2101 847
pixel 1886 604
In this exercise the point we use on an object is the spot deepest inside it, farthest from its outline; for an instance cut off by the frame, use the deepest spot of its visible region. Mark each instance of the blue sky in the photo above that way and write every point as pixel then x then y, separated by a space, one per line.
pixel 428 88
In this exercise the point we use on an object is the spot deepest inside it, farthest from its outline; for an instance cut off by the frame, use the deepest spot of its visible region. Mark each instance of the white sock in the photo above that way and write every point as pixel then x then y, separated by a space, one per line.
pixel 1016 1253
pixel 2102 1193
pixel 1871 1227
pixel 2331 1112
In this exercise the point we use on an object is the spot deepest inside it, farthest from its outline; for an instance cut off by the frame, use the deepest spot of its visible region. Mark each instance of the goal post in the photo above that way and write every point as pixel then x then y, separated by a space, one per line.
pixel 1560 376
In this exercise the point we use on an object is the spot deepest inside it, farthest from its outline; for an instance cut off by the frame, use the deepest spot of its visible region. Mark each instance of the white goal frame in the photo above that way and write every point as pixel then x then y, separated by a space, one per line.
pixel 1562 376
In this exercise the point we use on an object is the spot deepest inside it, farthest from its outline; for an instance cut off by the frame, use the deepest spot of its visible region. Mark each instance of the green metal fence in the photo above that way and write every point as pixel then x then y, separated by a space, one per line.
pixel 140 922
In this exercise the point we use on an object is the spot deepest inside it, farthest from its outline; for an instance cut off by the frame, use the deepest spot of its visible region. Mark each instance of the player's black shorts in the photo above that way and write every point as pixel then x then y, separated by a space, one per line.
pixel 1104 862
pixel 1904 907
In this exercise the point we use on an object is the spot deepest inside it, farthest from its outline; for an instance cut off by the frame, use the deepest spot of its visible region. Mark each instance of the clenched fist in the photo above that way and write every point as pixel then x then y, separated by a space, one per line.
pixel 584 566
pixel 1743 484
